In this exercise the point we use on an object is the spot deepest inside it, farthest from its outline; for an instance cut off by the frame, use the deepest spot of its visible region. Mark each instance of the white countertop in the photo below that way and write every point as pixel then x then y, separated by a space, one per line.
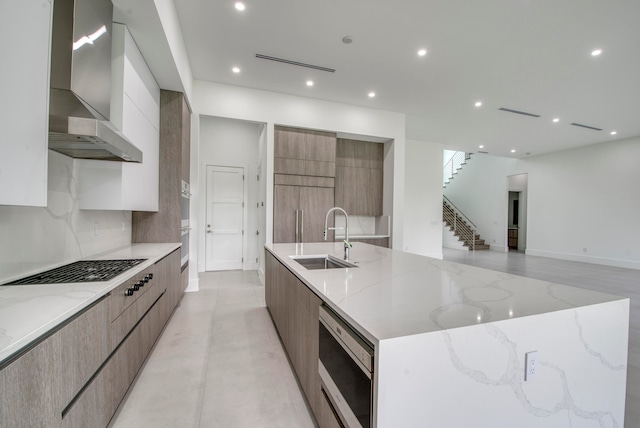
pixel 393 294
pixel 362 236
pixel 29 311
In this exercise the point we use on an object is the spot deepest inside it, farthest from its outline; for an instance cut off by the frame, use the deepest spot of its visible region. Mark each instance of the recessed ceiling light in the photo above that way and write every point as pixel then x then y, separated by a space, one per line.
pixel 236 69
pixel 478 103
pixel 513 150
pixel 614 132
pixel 239 6
pixel 481 146
pixel 596 52
pixel 309 82
pixel 422 52
pixel 372 94
pixel 556 120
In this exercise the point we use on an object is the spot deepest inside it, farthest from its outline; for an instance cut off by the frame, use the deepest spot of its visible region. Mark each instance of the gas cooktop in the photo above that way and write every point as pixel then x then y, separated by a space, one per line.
pixel 82 271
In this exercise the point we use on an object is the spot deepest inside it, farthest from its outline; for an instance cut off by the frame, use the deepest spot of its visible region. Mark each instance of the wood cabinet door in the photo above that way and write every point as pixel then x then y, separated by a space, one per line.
pixel 286 201
pixel 30 387
pixel 289 143
pixel 320 146
pixel 315 202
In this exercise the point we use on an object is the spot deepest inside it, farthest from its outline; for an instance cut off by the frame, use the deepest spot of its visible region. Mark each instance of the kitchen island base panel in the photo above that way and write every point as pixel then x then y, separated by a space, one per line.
pixel 458 377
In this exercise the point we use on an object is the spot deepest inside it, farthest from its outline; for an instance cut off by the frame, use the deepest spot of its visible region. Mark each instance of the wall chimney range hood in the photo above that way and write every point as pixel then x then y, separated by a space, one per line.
pixel 80 89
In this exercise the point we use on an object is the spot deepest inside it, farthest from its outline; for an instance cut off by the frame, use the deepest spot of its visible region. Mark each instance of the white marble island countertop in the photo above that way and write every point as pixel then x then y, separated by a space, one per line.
pixel 29 311
pixel 394 294
pixel 451 341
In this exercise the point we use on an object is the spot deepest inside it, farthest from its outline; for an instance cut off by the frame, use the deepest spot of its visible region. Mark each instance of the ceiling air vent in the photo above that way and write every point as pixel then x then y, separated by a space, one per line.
pixel 586 126
pixel 524 113
pixel 299 64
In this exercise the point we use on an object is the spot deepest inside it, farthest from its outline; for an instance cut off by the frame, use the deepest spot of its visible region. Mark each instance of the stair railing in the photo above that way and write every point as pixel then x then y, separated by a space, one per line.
pixel 462 226
pixel 452 166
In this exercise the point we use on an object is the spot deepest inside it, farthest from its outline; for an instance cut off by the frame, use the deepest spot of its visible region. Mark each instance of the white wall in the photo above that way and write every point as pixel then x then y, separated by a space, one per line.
pixel 262 196
pixel 213 99
pixel 582 204
pixel 33 239
pixel 233 143
pixel 423 198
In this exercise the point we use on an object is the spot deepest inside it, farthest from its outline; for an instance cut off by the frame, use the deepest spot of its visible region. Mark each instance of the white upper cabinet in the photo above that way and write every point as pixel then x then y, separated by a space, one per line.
pixel 25 37
pixel 135 109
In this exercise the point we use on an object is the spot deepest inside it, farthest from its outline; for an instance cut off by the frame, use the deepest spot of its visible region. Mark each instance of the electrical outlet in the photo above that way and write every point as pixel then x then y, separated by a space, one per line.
pixel 96 228
pixel 530 365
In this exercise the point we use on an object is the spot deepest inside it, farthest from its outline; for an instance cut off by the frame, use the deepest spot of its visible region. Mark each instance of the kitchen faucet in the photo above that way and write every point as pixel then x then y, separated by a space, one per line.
pixel 347 244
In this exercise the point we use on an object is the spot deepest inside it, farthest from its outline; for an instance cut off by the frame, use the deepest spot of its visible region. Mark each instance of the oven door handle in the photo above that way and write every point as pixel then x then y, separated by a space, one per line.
pixel 336 399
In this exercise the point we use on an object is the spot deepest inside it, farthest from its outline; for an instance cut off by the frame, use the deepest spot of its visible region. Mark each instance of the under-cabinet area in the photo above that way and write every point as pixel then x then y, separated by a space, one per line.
pixel 411 330
pixel 315 171
pixel 76 373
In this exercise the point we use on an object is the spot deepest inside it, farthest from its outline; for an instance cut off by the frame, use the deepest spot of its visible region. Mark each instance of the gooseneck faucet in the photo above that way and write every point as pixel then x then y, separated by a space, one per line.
pixel 347 244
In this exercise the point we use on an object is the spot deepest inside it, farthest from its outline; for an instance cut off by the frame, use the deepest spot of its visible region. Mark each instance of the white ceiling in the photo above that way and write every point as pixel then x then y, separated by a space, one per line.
pixel 528 55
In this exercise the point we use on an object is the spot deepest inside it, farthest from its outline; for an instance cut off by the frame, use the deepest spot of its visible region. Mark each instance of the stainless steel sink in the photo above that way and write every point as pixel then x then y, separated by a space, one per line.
pixel 322 262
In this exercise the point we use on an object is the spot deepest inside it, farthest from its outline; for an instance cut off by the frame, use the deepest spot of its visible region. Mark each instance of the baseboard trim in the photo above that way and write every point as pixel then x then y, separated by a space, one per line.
pixel 194 285
pixel 629 264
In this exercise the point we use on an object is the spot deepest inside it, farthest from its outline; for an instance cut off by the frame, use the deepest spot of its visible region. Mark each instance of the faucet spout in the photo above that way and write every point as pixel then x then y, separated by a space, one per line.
pixel 347 244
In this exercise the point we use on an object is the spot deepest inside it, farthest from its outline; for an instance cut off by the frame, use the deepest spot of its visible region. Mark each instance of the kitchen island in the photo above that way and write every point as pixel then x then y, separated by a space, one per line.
pixel 450 340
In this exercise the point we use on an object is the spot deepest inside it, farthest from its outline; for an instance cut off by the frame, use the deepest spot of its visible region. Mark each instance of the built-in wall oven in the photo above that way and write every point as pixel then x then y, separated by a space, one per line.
pixel 346 370
pixel 184 224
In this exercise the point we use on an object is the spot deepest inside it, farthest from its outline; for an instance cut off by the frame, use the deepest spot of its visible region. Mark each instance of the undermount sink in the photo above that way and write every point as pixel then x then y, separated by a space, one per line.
pixel 322 262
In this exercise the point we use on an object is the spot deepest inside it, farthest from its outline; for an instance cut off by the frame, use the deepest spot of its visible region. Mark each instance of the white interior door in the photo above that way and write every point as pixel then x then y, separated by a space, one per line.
pixel 225 218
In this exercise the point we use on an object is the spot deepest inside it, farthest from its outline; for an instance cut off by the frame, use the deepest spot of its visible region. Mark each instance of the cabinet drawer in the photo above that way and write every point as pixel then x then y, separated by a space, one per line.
pixel 85 345
pixel 304 167
pixel 134 308
pixel 120 301
pixel 301 180
pixel 100 399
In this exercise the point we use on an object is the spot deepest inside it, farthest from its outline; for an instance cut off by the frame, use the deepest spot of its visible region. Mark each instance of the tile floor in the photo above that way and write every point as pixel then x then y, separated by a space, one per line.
pixel 219 362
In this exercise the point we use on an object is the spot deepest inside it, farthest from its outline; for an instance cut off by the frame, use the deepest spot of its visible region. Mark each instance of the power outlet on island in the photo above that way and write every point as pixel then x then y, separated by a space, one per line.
pixel 530 366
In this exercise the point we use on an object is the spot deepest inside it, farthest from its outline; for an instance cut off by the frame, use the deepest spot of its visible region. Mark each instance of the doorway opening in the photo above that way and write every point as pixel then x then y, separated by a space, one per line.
pixel 517 213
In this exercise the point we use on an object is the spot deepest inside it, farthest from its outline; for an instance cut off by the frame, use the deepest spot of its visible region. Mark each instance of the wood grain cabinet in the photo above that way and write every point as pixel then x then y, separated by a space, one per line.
pixel 359 177
pixel 299 213
pixel 78 375
pixel 164 225
pixel 294 310
pixel 304 152
pixel 30 387
pixel 85 344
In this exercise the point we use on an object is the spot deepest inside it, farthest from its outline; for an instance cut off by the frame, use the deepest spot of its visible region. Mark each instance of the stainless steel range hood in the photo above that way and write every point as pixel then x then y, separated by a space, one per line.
pixel 80 96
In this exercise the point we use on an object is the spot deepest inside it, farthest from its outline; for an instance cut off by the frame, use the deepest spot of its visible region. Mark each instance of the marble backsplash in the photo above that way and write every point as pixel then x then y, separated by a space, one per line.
pixel 33 239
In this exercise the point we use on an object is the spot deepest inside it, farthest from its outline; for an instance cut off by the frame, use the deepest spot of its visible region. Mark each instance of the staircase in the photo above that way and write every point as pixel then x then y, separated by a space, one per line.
pixel 462 227
pixel 455 164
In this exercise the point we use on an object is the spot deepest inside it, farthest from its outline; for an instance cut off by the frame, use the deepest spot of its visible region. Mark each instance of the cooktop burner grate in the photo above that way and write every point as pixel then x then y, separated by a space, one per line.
pixel 82 271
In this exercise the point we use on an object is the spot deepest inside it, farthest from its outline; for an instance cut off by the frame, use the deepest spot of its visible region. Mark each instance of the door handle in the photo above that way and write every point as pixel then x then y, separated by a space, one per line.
pixel 297 226
pixel 301 225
